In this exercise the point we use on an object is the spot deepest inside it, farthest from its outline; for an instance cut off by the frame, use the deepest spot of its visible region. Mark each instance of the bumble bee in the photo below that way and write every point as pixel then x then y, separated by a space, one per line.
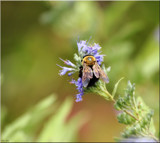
pixel 91 72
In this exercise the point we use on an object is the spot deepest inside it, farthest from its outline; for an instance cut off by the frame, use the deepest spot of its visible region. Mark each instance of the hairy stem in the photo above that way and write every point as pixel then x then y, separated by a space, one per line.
pixel 130 114
pixel 110 96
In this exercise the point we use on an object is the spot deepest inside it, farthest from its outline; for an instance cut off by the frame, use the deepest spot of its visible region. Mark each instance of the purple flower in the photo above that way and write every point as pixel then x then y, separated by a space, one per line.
pixel 99 58
pixel 79 85
pixel 80 89
pixel 81 44
pixel 79 97
pixel 70 73
pixel 64 70
pixel 68 62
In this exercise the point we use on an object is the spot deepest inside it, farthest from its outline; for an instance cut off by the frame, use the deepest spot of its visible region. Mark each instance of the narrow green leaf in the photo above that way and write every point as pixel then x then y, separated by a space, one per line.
pixel 115 87
pixel 45 103
pixel 53 130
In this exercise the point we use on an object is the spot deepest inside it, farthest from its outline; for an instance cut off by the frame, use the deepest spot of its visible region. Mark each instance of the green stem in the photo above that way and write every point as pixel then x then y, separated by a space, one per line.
pixel 110 96
pixel 130 114
pixel 135 106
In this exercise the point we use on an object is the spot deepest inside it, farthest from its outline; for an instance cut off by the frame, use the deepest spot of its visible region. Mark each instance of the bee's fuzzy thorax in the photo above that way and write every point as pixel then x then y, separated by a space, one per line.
pixel 89 60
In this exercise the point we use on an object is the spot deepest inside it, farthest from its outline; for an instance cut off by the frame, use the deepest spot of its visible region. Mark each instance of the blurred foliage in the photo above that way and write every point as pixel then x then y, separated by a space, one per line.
pixel 55 129
pixel 35 34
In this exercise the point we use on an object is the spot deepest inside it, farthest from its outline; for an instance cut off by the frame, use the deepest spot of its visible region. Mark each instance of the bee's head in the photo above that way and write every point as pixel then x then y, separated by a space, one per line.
pixel 89 60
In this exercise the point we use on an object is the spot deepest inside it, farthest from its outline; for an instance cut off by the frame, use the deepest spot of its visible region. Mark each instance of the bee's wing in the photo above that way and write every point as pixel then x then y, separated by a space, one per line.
pixel 96 70
pixel 99 73
pixel 87 75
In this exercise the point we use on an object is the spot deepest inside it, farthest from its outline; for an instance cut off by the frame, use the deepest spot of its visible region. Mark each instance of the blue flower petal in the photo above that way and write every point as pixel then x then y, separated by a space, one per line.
pixel 64 70
pixel 81 44
pixel 79 97
pixel 68 62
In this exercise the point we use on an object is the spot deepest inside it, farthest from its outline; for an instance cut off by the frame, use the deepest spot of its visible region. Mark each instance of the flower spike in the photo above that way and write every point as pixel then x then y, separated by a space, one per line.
pixel 84 49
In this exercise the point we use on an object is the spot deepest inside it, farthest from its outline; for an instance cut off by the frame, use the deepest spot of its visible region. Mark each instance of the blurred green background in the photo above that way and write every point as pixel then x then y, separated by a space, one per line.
pixel 36 103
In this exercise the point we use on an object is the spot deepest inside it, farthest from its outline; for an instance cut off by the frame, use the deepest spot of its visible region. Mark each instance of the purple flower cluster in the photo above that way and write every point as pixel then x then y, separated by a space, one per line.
pixel 80 89
pixel 66 69
pixel 83 49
